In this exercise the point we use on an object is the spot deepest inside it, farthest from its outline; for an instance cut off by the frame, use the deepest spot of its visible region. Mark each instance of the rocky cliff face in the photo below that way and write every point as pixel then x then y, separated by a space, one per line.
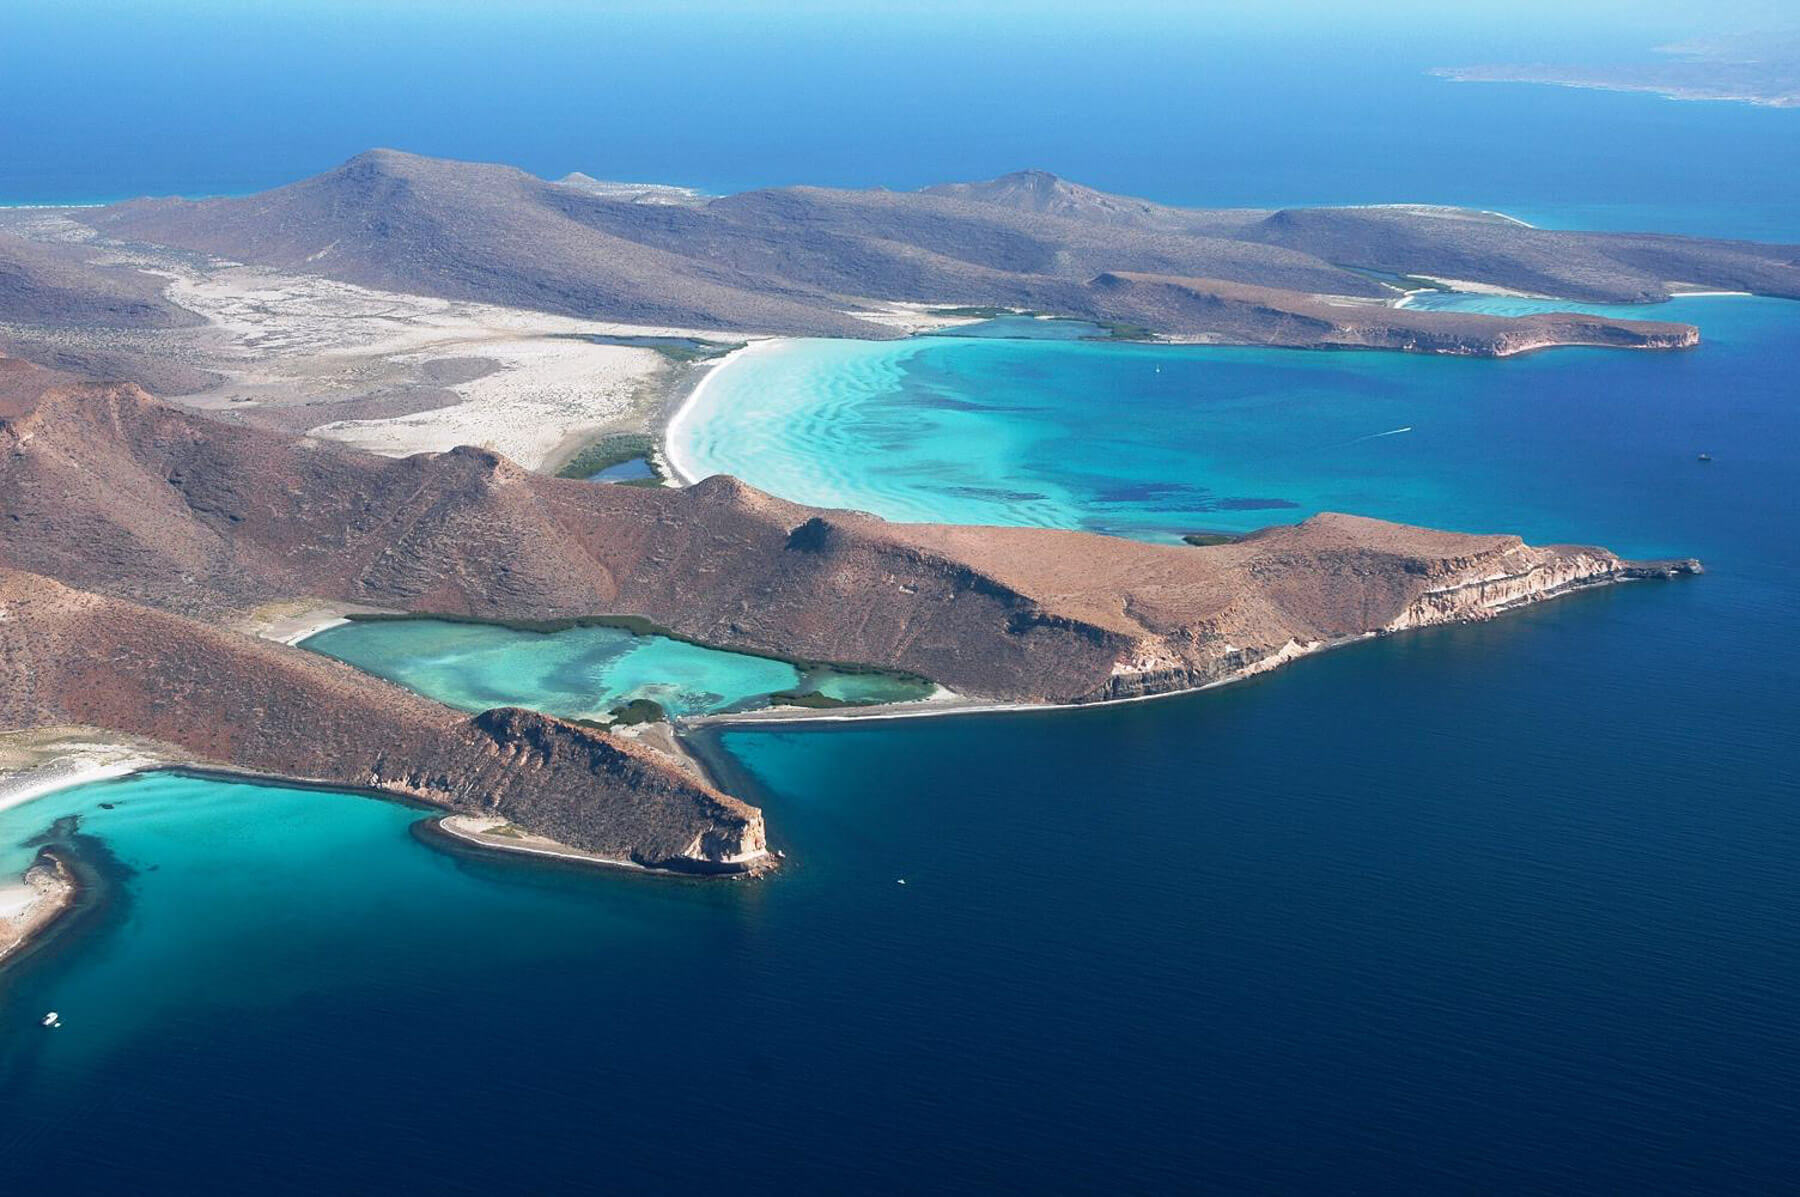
pixel 1364 579
pixel 1516 574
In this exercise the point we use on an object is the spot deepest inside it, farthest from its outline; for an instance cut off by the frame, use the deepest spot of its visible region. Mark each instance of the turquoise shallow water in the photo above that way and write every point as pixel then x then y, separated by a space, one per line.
pixel 584 672
pixel 1154 441
pixel 577 673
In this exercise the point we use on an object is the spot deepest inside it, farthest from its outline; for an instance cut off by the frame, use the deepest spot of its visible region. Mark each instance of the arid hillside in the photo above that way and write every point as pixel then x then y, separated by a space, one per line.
pixel 222 698
pixel 208 519
pixel 815 260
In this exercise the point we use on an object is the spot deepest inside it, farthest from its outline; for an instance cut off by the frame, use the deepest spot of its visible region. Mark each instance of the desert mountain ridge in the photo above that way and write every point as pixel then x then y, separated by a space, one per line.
pixel 820 261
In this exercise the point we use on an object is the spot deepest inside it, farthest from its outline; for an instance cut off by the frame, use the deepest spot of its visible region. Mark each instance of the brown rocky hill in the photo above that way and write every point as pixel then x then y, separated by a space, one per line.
pixel 72 657
pixel 110 491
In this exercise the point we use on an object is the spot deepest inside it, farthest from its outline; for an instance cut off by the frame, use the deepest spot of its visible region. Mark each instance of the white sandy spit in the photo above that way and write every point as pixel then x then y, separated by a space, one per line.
pixel 1473 288
pixel 486 830
pixel 912 317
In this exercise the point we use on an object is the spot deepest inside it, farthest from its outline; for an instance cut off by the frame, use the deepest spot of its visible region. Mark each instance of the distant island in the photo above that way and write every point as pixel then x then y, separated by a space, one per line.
pixel 1762 70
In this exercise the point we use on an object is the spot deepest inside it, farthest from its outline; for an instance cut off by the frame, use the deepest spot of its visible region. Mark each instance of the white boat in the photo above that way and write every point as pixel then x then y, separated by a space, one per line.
pixel 53 1019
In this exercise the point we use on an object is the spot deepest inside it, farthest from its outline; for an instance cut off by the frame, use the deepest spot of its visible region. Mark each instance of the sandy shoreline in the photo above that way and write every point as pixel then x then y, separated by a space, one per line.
pixel 1463 286
pixel 294 621
pixel 44 895
pixel 488 831
pixel 1466 287
pixel 36 763
pixel 949 703
pixel 681 468
pixel 912 318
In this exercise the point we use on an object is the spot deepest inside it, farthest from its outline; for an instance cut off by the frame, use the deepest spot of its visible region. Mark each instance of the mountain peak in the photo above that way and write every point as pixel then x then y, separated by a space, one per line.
pixel 381 158
pixel 1035 190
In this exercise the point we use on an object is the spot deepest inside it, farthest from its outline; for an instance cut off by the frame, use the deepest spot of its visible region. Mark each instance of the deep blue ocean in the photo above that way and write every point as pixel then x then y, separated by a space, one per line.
pixel 1508 907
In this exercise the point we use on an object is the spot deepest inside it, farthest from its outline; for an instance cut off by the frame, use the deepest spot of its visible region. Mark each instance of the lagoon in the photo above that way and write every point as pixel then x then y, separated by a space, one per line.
pixel 585 671
pixel 1155 441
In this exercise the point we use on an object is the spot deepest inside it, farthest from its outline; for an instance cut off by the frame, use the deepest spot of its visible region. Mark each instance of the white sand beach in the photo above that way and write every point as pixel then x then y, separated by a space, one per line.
pixel 488 831
pixel 42 761
pixel 293 620
pixel 682 468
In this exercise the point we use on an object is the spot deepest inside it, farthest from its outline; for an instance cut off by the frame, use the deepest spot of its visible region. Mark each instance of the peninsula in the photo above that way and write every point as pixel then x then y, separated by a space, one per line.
pixel 1761 69
pixel 119 604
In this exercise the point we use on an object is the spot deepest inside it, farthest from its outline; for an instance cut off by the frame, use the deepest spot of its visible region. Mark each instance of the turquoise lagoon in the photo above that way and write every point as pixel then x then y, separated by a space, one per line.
pixel 583 672
pixel 1153 441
